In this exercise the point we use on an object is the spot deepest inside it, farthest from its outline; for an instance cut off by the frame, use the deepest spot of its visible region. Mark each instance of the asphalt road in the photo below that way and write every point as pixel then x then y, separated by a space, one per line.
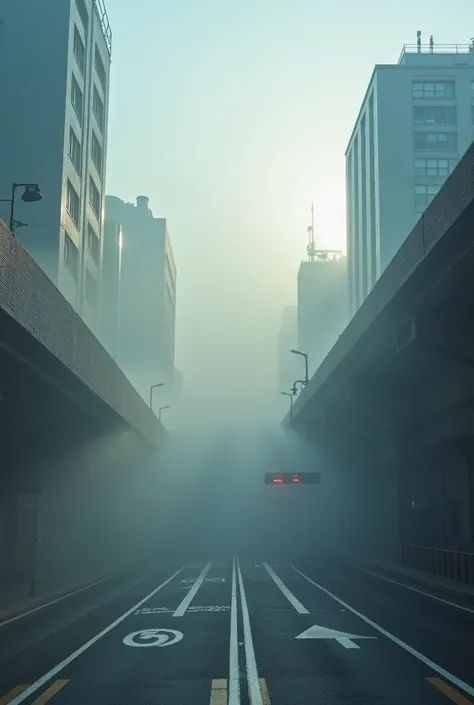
pixel 241 631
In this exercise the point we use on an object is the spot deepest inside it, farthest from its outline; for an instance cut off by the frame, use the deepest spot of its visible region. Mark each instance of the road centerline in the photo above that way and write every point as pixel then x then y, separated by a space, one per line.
pixel 234 676
pixel 251 663
pixel 294 602
pixel 34 687
pixel 417 654
pixel 183 606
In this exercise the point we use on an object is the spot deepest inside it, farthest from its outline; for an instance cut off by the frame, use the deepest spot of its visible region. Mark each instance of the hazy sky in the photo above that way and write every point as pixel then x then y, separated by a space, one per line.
pixel 232 117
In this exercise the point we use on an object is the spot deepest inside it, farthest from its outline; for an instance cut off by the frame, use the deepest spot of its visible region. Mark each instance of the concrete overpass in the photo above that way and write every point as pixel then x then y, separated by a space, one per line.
pixel 75 440
pixel 392 404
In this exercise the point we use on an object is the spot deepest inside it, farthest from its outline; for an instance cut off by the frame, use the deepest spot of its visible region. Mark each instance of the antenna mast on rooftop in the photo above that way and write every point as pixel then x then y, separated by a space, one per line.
pixel 311 247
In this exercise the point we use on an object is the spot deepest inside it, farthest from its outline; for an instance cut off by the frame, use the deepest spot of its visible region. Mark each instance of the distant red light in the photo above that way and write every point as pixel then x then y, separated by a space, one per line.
pixel 295 479
pixel 277 481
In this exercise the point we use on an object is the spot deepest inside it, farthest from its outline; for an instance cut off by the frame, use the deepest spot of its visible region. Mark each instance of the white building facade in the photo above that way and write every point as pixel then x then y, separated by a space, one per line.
pixel 55 134
pixel 415 123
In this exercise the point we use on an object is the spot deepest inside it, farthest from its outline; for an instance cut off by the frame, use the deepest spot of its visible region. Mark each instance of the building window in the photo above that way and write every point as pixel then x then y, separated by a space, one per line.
pixel 94 197
pixel 96 153
pixel 436 141
pixel 424 195
pixel 93 243
pixel 77 99
pixel 428 90
pixel 100 69
pixel 434 115
pixel 79 50
pixel 434 167
pixel 83 14
pixel 91 289
pixel 98 109
pixel 73 204
pixel 71 255
pixel 75 151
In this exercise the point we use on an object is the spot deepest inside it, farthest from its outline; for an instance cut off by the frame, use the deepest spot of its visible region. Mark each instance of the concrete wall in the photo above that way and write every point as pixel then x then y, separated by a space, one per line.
pixel 85 509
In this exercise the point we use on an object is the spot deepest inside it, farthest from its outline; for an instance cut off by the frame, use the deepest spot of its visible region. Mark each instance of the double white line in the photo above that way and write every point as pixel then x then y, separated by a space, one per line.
pixel 254 684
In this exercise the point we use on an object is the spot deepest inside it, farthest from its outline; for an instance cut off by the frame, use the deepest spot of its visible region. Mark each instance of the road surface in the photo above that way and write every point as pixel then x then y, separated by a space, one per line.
pixel 238 631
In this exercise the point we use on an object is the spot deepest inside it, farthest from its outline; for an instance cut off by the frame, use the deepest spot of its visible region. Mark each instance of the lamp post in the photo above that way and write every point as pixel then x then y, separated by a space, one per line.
pixel 162 408
pixel 31 194
pixel 305 355
pixel 291 395
pixel 152 387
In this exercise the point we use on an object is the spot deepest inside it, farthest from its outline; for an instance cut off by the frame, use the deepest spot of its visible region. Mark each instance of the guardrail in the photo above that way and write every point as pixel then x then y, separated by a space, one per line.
pixel 457 565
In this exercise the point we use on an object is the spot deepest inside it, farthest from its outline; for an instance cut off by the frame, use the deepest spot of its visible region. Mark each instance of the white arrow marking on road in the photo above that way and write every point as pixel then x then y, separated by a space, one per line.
pixel 345 639
pixel 153 637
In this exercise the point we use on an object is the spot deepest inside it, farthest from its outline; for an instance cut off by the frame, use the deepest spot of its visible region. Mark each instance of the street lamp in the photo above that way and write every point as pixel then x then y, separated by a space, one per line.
pixel 162 408
pixel 305 355
pixel 291 395
pixel 294 389
pixel 31 194
pixel 152 387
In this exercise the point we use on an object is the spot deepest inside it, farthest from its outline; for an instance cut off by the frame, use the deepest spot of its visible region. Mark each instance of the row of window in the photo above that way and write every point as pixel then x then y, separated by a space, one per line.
pixel 75 152
pixel 429 90
pixel 434 167
pixel 77 100
pixel 79 48
pixel 434 115
pixel 71 259
pixel 73 201
pixel 439 141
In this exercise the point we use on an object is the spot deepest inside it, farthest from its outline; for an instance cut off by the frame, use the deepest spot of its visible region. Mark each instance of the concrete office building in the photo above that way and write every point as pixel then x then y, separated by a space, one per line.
pixel 54 133
pixel 146 335
pixel 415 122
pixel 322 304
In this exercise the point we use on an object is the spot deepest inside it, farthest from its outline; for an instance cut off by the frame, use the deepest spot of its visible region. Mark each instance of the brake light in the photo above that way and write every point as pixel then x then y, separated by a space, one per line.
pixel 295 479
pixel 277 480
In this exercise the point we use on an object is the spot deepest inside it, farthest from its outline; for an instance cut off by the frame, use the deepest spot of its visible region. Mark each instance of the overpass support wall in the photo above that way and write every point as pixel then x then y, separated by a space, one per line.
pixel 72 512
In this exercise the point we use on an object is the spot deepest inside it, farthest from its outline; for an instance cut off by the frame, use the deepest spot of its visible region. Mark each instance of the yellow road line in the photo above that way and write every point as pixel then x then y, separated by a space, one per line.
pixel 449 691
pixel 218 692
pixel 4 699
pixel 264 691
pixel 50 692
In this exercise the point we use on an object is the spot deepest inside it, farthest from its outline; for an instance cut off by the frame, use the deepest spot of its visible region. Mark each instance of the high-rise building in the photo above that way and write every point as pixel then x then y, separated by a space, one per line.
pixel 415 122
pixel 146 333
pixel 322 304
pixel 54 133
pixel 288 366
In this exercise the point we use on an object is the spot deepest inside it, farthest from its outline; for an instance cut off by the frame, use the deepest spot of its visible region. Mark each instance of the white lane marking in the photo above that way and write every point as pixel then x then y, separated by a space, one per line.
pixel 57 669
pixel 252 672
pixel 294 602
pixel 409 587
pixel 234 677
pixel 424 659
pixel 344 638
pixel 194 608
pixel 153 637
pixel 183 606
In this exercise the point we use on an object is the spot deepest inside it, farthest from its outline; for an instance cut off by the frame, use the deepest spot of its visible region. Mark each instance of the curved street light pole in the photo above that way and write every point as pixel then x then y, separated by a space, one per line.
pixel 32 194
pixel 162 408
pixel 305 355
pixel 152 387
